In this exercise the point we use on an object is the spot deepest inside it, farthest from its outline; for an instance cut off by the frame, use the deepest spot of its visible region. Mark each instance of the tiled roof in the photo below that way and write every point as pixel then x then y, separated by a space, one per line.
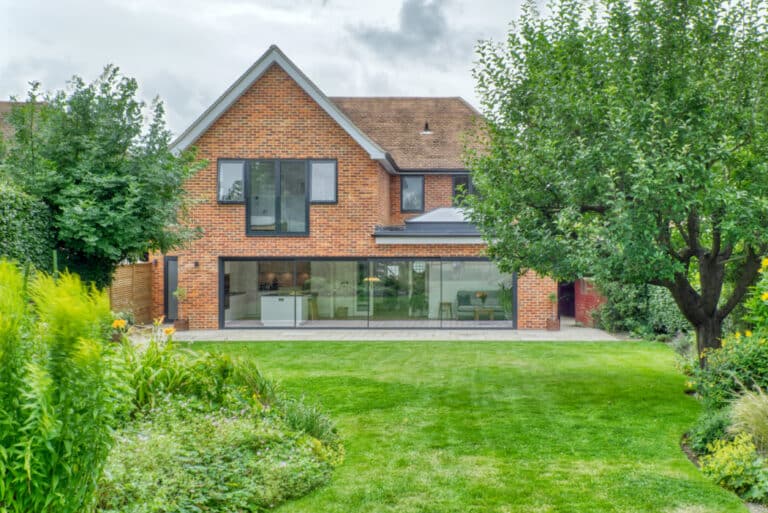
pixel 5 128
pixel 396 124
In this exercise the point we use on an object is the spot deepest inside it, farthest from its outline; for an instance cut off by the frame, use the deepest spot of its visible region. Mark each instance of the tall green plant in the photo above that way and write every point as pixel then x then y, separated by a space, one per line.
pixel 61 392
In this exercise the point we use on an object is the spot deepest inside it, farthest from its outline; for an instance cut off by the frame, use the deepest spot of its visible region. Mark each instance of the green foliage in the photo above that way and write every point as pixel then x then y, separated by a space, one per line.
pixel 113 188
pixel 210 433
pixel 711 426
pixel 640 309
pixel 25 228
pixel 61 392
pixel 750 415
pixel 738 366
pixel 161 369
pixel 180 459
pixel 736 465
pixel 629 141
pixel 308 419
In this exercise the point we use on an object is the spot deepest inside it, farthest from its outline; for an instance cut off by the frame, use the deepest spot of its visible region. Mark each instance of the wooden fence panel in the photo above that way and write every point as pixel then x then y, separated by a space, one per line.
pixel 131 290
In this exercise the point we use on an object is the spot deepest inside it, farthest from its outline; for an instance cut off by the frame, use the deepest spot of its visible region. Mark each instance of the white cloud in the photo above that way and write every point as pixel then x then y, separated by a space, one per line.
pixel 188 52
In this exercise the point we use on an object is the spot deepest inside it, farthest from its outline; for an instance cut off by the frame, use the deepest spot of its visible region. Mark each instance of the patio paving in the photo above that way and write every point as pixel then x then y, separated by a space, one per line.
pixel 569 332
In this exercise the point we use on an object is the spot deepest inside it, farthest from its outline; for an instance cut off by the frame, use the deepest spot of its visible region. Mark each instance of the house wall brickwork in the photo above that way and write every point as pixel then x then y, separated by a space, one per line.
pixel 275 118
pixel 438 192
pixel 587 298
pixel 533 300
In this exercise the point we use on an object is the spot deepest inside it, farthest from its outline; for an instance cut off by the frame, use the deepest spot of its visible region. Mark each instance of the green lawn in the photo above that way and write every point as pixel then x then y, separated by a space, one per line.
pixel 498 427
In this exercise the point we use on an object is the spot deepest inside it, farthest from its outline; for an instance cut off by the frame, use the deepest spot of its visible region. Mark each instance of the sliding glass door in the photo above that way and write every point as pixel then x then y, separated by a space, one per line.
pixel 375 293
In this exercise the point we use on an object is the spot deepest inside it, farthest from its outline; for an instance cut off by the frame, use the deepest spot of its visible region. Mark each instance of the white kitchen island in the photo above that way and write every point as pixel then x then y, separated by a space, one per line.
pixel 284 311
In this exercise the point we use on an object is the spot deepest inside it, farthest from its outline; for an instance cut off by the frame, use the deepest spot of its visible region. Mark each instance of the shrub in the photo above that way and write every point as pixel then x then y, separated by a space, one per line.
pixel 308 419
pixel 750 415
pixel 25 228
pixel 640 309
pixel 62 391
pixel 736 465
pixel 162 369
pixel 179 459
pixel 738 366
pixel 210 433
pixel 711 426
pixel 663 313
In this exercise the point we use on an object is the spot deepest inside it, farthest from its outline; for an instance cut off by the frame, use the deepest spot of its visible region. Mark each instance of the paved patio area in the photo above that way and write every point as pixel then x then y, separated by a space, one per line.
pixel 568 332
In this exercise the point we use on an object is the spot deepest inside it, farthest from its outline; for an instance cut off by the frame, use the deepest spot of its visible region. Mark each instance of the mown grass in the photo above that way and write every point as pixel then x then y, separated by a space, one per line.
pixel 498 427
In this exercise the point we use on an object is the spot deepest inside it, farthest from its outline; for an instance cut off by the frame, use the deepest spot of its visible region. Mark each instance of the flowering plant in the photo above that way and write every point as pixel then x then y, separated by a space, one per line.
pixel 481 295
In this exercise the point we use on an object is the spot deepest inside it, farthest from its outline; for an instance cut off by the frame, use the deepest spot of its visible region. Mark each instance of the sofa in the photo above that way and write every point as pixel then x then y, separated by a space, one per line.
pixel 467 303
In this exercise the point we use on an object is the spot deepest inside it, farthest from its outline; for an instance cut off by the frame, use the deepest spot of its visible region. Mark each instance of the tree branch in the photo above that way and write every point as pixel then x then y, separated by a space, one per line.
pixel 747 277
pixel 693 233
pixel 598 209
pixel 687 299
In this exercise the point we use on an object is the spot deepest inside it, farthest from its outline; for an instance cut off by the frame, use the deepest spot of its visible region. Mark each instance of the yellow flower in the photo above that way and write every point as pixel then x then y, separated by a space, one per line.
pixel 747 333
pixel 689 384
pixel 169 331
pixel 159 320
pixel 118 324
pixel 737 335
pixel 764 296
pixel 764 264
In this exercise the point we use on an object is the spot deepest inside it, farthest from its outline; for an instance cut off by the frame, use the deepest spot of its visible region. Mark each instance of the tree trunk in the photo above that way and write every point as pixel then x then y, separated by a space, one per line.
pixel 708 336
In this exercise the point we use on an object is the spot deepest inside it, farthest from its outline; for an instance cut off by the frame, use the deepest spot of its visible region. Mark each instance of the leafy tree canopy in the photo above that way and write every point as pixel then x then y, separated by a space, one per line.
pixel 629 140
pixel 101 162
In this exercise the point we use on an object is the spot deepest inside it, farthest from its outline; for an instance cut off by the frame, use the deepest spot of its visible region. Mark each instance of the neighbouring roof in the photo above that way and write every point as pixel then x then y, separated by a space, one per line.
pixel 397 125
pixel 5 128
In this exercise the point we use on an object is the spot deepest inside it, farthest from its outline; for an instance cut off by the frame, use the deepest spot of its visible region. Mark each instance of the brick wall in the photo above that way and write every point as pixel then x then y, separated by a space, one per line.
pixel 534 306
pixel 438 192
pixel 588 298
pixel 275 118
pixel 132 290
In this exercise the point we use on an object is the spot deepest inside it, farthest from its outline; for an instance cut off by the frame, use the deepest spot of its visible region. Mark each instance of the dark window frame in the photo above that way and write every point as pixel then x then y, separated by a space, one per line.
pixel 335 182
pixel 278 193
pixel 423 193
pixel 218 180
pixel 470 186
pixel 369 260
pixel 166 292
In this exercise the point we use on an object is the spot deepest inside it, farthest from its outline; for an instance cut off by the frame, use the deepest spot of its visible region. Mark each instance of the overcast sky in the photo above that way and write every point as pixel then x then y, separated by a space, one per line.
pixel 189 51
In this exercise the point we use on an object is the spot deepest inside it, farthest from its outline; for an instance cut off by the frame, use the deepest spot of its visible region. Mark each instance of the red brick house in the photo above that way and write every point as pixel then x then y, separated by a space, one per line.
pixel 335 212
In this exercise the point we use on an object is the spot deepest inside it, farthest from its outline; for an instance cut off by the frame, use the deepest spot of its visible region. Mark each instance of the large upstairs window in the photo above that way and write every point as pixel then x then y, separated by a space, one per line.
pixel 277 193
pixel 276 200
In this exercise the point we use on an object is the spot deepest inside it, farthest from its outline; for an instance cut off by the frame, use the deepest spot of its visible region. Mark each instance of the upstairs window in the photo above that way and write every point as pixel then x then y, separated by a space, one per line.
pixel 462 186
pixel 231 174
pixel 412 193
pixel 323 181
pixel 277 197
pixel 277 193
